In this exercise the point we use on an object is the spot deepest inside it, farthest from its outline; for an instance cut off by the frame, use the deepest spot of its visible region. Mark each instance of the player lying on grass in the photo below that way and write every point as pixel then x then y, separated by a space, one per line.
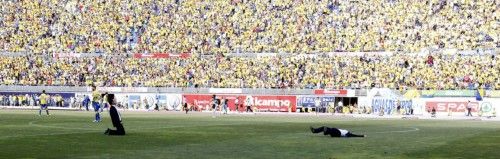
pixel 334 132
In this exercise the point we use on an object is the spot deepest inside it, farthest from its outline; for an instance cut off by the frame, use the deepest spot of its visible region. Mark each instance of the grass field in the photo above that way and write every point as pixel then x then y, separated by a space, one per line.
pixel 71 134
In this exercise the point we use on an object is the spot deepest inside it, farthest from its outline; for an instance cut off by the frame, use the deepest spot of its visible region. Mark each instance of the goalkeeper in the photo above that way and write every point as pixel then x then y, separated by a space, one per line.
pixel 334 132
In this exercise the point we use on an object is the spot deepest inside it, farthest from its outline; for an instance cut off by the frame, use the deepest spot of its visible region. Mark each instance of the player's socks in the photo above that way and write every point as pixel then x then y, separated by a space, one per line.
pixel 98 117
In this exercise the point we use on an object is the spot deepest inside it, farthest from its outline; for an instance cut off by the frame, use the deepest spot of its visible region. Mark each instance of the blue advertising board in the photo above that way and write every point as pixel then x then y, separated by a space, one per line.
pixel 133 99
pixel 162 99
pixel 308 101
pixel 389 105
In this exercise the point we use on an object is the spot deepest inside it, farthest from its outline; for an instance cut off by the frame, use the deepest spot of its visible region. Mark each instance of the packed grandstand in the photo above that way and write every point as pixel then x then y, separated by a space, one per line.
pixel 249 78
pixel 211 31
pixel 341 72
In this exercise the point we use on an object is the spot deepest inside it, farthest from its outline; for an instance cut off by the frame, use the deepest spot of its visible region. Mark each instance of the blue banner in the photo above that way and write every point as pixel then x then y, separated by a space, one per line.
pixel 134 99
pixel 479 97
pixel 389 105
pixel 8 98
pixel 162 99
pixel 308 101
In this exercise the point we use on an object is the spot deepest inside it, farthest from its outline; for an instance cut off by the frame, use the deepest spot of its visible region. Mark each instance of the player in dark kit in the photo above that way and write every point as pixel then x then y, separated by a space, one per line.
pixel 115 118
pixel 214 105
pixel 334 132
pixel 185 107
pixel 157 102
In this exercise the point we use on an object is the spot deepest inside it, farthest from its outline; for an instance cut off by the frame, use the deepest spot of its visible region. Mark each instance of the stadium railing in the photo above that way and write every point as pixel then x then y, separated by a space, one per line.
pixel 422 52
pixel 5 88
pixel 251 91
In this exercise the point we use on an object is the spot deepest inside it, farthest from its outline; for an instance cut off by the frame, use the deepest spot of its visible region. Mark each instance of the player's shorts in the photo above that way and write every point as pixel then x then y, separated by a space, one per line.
pixel 96 106
pixel 43 106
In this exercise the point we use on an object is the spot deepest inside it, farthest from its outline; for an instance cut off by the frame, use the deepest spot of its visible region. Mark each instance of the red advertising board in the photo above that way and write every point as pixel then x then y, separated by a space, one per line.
pixel 442 106
pixel 262 102
pixel 204 101
pixel 155 55
pixel 331 92
pixel 66 55
pixel 162 55
pixel 273 103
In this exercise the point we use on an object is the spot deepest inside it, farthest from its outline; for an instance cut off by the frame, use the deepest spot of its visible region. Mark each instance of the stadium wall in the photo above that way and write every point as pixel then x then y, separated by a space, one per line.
pixel 451 102
pixel 452 106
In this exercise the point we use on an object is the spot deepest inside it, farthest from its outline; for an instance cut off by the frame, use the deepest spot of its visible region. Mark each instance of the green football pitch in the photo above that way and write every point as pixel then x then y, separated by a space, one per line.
pixel 72 134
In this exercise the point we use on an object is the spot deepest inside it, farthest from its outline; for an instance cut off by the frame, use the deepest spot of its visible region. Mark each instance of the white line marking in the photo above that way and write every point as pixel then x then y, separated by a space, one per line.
pixel 85 130
pixel 50 134
pixel 89 130
pixel 32 123
pixel 398 131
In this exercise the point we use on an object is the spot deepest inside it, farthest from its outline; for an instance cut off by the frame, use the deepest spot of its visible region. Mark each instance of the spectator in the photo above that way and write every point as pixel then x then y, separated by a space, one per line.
pixel 399 71
pixel 245 26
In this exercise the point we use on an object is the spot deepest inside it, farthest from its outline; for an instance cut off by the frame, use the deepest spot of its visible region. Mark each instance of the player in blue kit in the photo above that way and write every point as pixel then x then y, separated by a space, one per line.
pixel 96 97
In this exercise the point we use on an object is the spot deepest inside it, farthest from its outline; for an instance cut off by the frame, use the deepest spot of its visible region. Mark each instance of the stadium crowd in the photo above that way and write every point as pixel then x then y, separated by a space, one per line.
pixel 19 99
pixel 255 26
pixel 249 26
pixel 397 71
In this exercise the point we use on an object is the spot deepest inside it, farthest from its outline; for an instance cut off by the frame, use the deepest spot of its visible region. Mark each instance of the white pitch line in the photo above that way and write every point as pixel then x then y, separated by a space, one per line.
pixel 399 131
pixel 49 134
pixel 179 126
pixel 32 123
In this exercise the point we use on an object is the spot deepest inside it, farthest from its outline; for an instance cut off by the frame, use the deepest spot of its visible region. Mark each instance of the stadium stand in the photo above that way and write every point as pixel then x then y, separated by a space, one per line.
pixel 398 71
pixel 45 27
pixel 293 26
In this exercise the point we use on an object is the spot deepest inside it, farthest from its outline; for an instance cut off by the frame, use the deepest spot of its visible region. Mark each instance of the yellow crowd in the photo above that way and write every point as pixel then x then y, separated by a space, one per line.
pixel 399 71
pixel 256 26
